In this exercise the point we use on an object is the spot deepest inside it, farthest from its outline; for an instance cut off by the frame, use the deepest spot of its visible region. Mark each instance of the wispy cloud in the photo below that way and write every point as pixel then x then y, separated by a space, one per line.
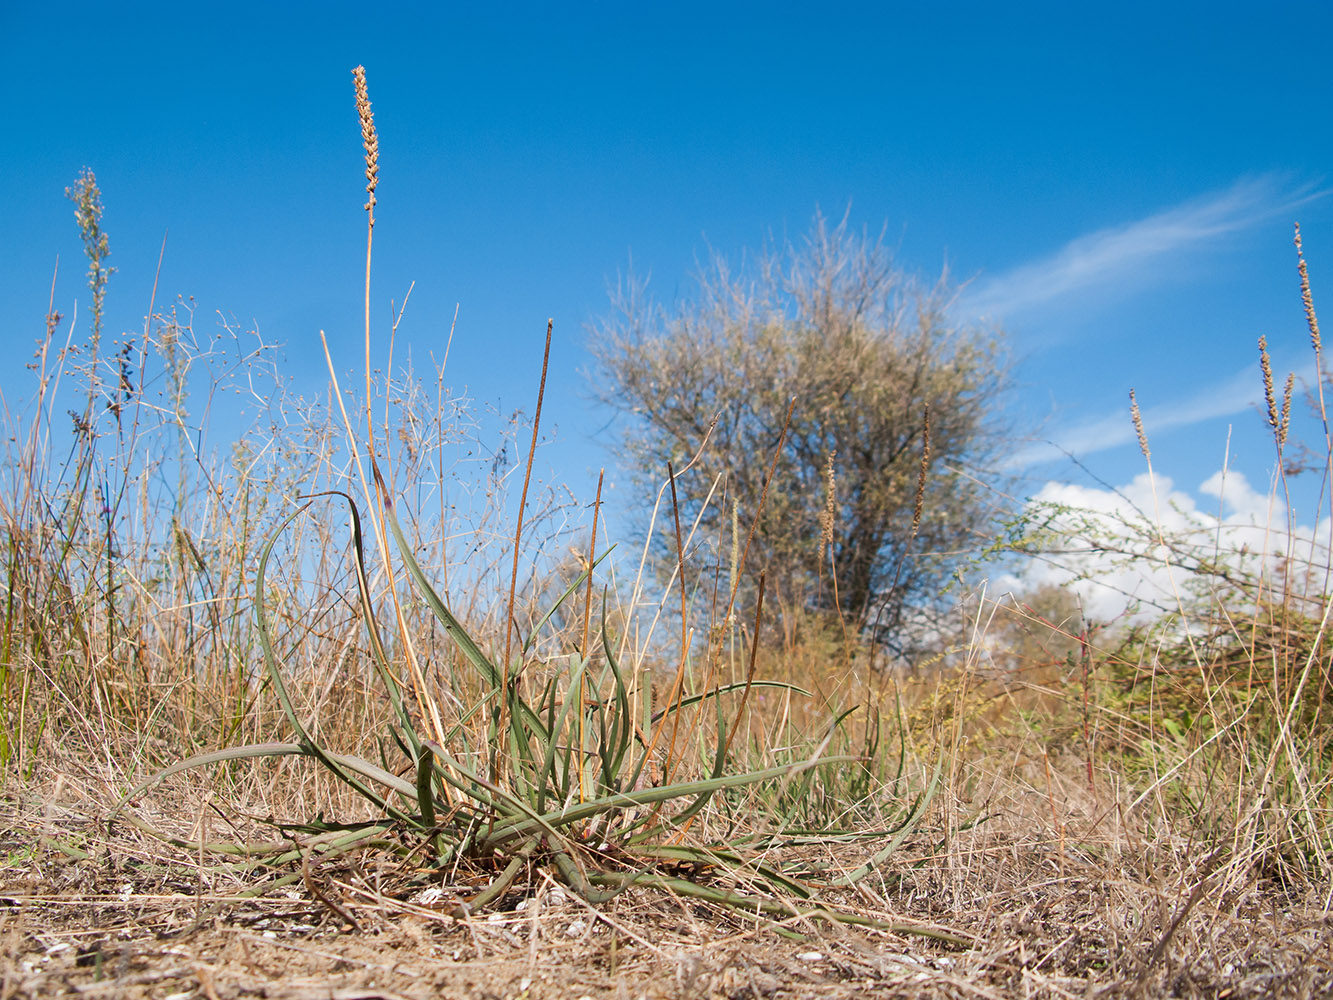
pixel 1121 254
pixel 1231 395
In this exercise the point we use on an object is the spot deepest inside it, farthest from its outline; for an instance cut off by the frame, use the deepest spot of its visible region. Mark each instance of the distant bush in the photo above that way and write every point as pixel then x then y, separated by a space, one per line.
pixel 879 408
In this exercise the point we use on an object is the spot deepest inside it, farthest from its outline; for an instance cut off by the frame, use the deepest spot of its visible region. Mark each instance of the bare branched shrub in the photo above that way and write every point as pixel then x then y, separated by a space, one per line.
pixel 865 350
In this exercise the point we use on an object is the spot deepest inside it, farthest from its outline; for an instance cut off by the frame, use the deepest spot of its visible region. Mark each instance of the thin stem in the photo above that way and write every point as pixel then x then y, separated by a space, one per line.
pixel 518 530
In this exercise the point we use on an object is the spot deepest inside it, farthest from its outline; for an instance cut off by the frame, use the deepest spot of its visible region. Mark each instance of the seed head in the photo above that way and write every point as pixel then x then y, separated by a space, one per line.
pixel 1310 320
pixel 369 139
pixel 919 504
pixel 830 504
pixel 1137 417
pixel 1286 409
pixel 1266 368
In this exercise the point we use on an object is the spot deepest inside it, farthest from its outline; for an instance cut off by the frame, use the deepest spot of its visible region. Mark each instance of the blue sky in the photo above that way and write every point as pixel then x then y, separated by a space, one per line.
pixel 1116 184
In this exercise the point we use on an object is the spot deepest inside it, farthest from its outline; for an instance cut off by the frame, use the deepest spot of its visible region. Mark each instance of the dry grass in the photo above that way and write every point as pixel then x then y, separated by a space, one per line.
pixel 1062 892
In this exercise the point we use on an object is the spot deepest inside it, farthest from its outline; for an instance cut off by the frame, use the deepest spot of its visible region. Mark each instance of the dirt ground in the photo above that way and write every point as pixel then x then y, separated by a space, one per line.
pixel 1068 913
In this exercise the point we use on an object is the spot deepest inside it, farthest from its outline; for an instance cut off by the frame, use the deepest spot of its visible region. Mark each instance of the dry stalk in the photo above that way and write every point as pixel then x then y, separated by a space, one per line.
pixel 587 614
pixel 518 528
pixel 370 141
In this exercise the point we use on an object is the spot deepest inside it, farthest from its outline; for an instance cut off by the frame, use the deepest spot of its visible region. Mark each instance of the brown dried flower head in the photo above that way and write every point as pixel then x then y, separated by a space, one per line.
pixel 919 504
pixel 829 513
pixel 1286 409
pixel 1310 319
pixel 1266 368
pixel 369 139
pixel 1137 417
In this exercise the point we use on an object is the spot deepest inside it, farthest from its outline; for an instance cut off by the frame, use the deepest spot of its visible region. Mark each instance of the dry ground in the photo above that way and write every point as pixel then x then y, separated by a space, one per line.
pixel 1082 907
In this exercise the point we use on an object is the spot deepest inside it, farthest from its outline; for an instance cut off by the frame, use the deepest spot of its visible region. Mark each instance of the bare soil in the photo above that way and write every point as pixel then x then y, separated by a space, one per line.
pixel 1073 910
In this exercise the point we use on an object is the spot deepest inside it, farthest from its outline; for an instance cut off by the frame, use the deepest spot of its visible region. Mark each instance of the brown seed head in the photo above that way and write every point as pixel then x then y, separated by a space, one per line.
pixel 919 504
pixel 735 542
pixel 1310 319
pixel 369 139
pixel 1286 409
pixel 1137 417
pixel 1266 368
pixel 830 505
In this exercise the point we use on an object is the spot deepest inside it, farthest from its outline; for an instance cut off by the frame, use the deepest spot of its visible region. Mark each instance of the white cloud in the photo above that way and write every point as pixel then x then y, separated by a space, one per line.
pixel 1121 254
pixel 1105 544
pixel 1245 503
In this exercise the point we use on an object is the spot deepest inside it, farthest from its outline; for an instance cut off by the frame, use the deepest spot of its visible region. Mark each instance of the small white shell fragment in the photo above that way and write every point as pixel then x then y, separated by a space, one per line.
pixel 576 928
pixel 811 956
pixel 429 896
pixel 495 918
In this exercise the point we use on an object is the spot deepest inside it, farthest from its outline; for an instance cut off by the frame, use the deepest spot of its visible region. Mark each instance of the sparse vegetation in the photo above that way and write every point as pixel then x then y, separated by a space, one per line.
pixel 321 707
